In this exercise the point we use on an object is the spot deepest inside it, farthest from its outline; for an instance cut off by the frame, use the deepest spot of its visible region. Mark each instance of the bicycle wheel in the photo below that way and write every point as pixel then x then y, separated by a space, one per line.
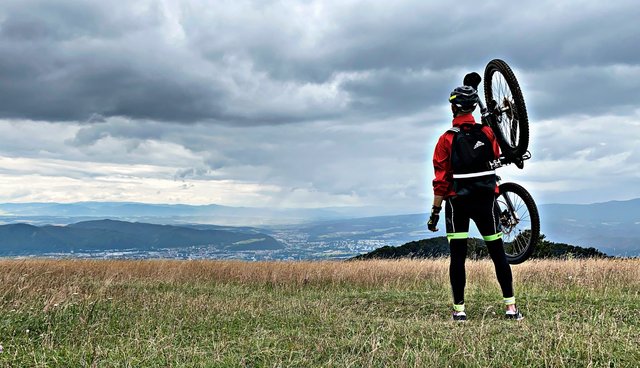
pixel 512 123
pixel 519 222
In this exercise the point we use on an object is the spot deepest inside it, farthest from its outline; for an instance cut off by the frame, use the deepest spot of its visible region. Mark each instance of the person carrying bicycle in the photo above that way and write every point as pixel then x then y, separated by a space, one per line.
pixel 468 187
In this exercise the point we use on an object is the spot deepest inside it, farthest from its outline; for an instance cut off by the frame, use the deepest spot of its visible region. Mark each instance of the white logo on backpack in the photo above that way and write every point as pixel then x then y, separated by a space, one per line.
pixel 478 144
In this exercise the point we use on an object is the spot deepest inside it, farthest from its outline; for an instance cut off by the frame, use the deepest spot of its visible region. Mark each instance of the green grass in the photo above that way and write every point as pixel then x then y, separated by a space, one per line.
pixel 304 314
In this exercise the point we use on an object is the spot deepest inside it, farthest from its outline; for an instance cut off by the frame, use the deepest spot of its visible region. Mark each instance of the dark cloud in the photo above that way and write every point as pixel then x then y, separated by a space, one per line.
pixel 589 91
pixel 267 63
pixel 389 93
pixel 56 82
pixel 71 20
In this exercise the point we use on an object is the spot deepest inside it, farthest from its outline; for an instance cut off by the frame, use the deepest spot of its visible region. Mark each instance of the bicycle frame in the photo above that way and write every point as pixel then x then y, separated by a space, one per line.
pixel 503 161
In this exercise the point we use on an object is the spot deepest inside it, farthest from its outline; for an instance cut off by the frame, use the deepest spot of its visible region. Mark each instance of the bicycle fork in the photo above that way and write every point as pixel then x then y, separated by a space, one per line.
pixel 508 217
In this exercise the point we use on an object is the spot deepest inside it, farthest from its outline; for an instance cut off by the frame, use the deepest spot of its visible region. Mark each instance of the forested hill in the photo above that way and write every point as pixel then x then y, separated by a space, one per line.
pixel 439 247
pixel 24 239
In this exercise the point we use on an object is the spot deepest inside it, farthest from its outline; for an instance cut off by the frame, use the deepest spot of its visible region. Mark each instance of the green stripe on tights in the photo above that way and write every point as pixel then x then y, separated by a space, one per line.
pixel 492 237
pixel 452 236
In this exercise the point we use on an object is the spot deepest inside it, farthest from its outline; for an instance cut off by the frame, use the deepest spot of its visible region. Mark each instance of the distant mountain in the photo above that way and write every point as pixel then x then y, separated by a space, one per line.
pixel 399 228
pixel 24 239
pixel 66 213
pixel 612 227
pixel 439 247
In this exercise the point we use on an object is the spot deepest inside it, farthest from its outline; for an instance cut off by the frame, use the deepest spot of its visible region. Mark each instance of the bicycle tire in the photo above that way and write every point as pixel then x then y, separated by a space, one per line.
pixel 512 123
pixel 520 233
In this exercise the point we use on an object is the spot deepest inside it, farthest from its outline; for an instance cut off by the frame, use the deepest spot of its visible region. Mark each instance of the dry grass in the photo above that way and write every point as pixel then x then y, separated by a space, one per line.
pixel 364 313
pixel 593 274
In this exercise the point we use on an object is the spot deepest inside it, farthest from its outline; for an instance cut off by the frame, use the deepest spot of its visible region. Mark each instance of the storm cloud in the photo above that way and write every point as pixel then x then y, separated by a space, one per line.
pixel 305 103
pixel 277 62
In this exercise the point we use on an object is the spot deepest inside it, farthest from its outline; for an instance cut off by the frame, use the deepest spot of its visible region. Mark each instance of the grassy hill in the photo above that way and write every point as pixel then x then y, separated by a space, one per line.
pixel 476 249
pixel 380 313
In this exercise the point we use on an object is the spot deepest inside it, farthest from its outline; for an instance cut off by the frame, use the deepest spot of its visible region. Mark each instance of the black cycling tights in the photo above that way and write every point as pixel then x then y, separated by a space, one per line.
pixel 457 271
pixel 483 211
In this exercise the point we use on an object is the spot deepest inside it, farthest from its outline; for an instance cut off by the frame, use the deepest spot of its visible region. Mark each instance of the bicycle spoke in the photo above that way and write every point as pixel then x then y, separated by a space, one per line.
pixel 522 244
pixel 517 227
pixel 518 203
pixel 515 247
pixel 508 120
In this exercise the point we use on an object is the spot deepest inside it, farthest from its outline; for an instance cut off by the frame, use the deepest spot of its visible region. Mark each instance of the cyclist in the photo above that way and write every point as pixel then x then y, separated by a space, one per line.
pixel 468 187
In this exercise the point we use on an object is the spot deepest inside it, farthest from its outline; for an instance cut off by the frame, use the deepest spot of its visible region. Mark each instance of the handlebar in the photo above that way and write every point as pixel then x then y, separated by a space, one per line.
pixel 503 161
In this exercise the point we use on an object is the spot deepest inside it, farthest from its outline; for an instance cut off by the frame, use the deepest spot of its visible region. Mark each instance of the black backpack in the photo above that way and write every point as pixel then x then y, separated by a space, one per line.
pixel 471 152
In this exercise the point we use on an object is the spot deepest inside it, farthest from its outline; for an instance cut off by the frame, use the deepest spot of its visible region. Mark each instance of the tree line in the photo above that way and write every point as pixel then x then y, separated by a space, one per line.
pixel 476 249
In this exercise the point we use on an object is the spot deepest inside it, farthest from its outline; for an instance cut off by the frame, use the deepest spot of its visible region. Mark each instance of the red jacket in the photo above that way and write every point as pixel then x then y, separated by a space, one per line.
pixel 443 182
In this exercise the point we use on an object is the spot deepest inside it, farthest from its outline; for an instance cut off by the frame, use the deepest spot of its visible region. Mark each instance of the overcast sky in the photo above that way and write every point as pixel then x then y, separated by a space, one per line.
pixel 304 103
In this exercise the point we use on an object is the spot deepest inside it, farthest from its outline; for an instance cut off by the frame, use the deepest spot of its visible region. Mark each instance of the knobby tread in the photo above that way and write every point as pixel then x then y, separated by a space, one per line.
pixel 503 68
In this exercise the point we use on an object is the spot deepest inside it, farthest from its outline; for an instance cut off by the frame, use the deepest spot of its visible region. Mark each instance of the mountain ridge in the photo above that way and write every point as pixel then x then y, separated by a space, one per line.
pixel 100 235
pixel 176 213
pixel 612 227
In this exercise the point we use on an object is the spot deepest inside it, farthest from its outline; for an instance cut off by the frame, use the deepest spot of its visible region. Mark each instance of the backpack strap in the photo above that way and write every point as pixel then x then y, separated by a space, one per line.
pixel 455 130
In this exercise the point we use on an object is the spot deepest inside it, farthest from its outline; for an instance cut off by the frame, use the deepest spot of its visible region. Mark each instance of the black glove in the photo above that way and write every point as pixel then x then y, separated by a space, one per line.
pixel 433 219
pixel 472 80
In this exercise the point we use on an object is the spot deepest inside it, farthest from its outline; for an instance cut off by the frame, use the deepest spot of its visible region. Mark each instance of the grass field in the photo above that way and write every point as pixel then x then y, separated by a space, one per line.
pixel 74 313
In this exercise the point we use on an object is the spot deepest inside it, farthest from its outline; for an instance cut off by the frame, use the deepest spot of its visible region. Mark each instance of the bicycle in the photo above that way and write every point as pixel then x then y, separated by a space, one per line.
pixel 506 114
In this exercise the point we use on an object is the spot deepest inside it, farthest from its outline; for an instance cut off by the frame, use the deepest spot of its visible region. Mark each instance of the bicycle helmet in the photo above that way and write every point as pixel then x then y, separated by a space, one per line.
pixel 465 98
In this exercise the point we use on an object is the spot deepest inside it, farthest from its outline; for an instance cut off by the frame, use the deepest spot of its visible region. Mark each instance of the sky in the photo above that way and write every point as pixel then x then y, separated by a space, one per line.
pixel 302 104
